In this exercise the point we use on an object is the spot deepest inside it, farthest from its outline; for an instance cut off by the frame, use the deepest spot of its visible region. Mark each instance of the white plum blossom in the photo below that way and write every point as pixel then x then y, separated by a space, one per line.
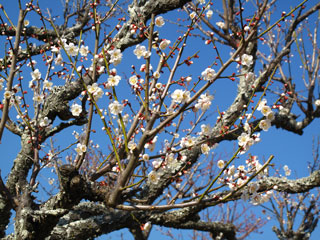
pixel 221 164
pixel 71 49
pixel 265 110
pixel 159 21
pixel 76 110
pixel 140 51
pixel 287 170
pixel 145 157
pixel 98 94
pixel 47 85
pixel 220 24
pixel 265 124
pixel 159 86
pixel 317 103
pixel 205 130
pixel 172 163
pixel 7 94
pixel 114 80
pixel 179 96
pixel 204 102
pixel 81 148
pixel 156 75
pixel 115 56
pixel 153 177
pixel 185 96
pixel 84 50
pixel 36 74
pixel 95 90
pixel 245 141
pixel 45 122
pixel 39 98
pixel 193 15
pixel 187 141
pixel 209 74
pixel 147 54
pixel 115 108
pixel 247 60
pixel 205 149
pixel 209 14
pixel 164 44
pixel 115 169
pixel 133 80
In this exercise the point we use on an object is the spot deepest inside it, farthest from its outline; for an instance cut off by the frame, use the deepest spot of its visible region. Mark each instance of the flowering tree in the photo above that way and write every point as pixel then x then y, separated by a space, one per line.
pixel 153 161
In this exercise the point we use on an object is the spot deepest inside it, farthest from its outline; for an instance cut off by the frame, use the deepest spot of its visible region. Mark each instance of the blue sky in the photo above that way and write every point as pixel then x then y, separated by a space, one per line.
pixel 288 148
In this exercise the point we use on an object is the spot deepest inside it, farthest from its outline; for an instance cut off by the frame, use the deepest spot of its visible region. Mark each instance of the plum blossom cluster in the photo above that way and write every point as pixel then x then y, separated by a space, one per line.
pixel 73 49
pixel 208 74
pixel 246 140
pixel 81 148
pixel 204 102
pixel 95 91
pixel 45 122
pixel 180 96
pixel 265 124
pixel 136 82
pixel 113 80
pixel 115 56
pixel 235 177
pixel 115 107
pixel 287 170
pixel 187 141
pixel 35 76
pixel 141 51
